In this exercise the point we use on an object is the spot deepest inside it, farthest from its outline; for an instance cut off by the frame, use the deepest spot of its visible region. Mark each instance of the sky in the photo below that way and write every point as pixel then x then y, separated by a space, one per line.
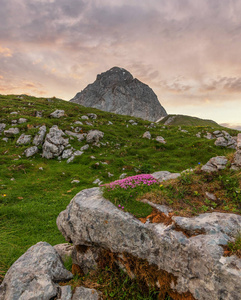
pixel 187 51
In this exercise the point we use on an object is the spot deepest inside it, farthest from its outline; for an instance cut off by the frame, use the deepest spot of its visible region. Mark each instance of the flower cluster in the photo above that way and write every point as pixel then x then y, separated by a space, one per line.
pixel 133 181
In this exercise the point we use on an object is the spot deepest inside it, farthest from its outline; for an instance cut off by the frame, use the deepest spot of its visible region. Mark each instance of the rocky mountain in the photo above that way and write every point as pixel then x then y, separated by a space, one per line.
pixel 117 91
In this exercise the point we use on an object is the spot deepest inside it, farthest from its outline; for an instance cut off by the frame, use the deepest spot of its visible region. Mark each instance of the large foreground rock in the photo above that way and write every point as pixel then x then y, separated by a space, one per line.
pixel 117 91
pixel 192 255
pixel 35 275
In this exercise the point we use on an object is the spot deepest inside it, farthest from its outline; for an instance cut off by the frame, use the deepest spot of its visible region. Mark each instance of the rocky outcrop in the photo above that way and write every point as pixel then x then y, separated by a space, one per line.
pixel 39 138
pixel 117 91
pixel 237 155
pixel 24 139
pixel 188 251
pixel 31 151
pixel 34 275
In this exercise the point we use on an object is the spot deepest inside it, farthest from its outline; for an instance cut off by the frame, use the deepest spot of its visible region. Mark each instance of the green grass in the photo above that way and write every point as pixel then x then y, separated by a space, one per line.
pixel 190 121
pixel 31 202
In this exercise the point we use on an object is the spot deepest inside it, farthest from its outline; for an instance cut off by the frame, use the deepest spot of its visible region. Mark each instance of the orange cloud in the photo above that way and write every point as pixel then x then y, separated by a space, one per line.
pixel 6 52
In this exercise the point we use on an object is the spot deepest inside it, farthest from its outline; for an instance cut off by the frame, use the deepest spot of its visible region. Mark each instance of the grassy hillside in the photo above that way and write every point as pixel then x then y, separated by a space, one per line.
pixel 33 191
pixel 183 120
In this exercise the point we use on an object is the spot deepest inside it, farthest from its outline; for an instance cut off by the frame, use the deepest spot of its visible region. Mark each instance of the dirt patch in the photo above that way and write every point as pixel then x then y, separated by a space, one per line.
pixel 158 217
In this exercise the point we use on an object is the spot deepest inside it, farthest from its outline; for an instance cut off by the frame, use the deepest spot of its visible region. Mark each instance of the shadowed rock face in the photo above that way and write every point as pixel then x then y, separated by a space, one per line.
pixel 117 91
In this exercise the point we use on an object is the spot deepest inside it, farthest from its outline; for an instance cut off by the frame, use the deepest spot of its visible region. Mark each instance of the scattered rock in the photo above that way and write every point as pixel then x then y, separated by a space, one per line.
pixel 31 151
pixel 64 250
pixel 92 116
pixel 78 123
pixel 54 143
pixel 2 127
pixel 198 135
pixel 97 181
pixel 76 153
pixel 211 196
pixel 34 275
pixel 85 118
pixel 67 153
pixel 14 122
pixel 208 136
pixel 237 155
pixel 110 175
pixel 215 164
pixel 22 120
pixel 77 129
pixel 39 138
pixel 66 292
pixel 82 293
pixel 5 140
pixel 221 142
pixel 75 181
pixel 165 175
pixel 123 175
pixel 13 113
pixel 94 136
pixel 160 139
pixel 147 135
pixel 38 114
pixel 57 114
pixel 24 139
pixel 11 132
pixel 89 124
pixel 85 147
pixel 109 123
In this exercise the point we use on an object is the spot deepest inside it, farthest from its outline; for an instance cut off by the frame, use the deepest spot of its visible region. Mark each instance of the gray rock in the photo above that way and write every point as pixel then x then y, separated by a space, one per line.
pixel 54 143
pixel 92 116
pixel 75 181
pixel 237 158
pixel 239 141
pixel 110 174
pixel 67 153
pixel 31 151
pixel 85 118
pixel 13 113
pixel 66 293
pixel 65 251
pixel 78 123
pixel 221 142
pixel 82 293
pixel 14 122
pixel 5 140
pixel 79 136
pixel 86 257
pixel 57 114
pixel 160 139
pixel 216 132
pixel 123 175
pixel 117 91
pixel 94 136
pixel 24 139
pixel 147 135
pixel 11 132
pixel 38 114
pixel 76 153
pixel 22 120
pixel 165 175
pixel 34 275
pixel 109 123
pixel 210 196
pixel 215 164
pixel 77 129
pixel 198 135
pixel 196 261
pixel 39 138
pixel 85 147
pixel 2 127
pixel 89 124
pixel 97 181
pixel 208 136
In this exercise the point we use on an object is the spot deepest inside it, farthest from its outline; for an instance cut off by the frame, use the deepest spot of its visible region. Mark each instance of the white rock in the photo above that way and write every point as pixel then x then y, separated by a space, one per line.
pixel 147 135
pixel 24 139
pixel 57 113
pixel 31 151
pixel 11 132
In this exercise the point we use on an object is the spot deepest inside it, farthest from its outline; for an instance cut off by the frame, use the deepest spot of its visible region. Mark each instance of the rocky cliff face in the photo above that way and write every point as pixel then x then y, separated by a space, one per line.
pixel 117 91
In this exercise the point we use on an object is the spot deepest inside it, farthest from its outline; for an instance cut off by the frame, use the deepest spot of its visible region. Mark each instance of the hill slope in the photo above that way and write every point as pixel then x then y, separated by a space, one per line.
pixel 34 190
pixel 184 120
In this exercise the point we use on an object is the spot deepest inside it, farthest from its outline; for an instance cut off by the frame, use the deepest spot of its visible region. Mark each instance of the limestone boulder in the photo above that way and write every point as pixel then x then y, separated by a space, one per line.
pixel 189 250
pixel 39 138
pixel 24 139
pixel 215 164
pixel 35 275
pixel 147 135
pixel 82 293
pixel 54 143
pixel 2 127
pixel 160 139
pixel 94 136
pixel 31 151
pixel 11 132
pixel 165 175
pixel 57 113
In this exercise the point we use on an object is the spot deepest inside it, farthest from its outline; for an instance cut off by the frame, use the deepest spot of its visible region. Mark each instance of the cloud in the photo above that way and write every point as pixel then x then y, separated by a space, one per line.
pixel 5 52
